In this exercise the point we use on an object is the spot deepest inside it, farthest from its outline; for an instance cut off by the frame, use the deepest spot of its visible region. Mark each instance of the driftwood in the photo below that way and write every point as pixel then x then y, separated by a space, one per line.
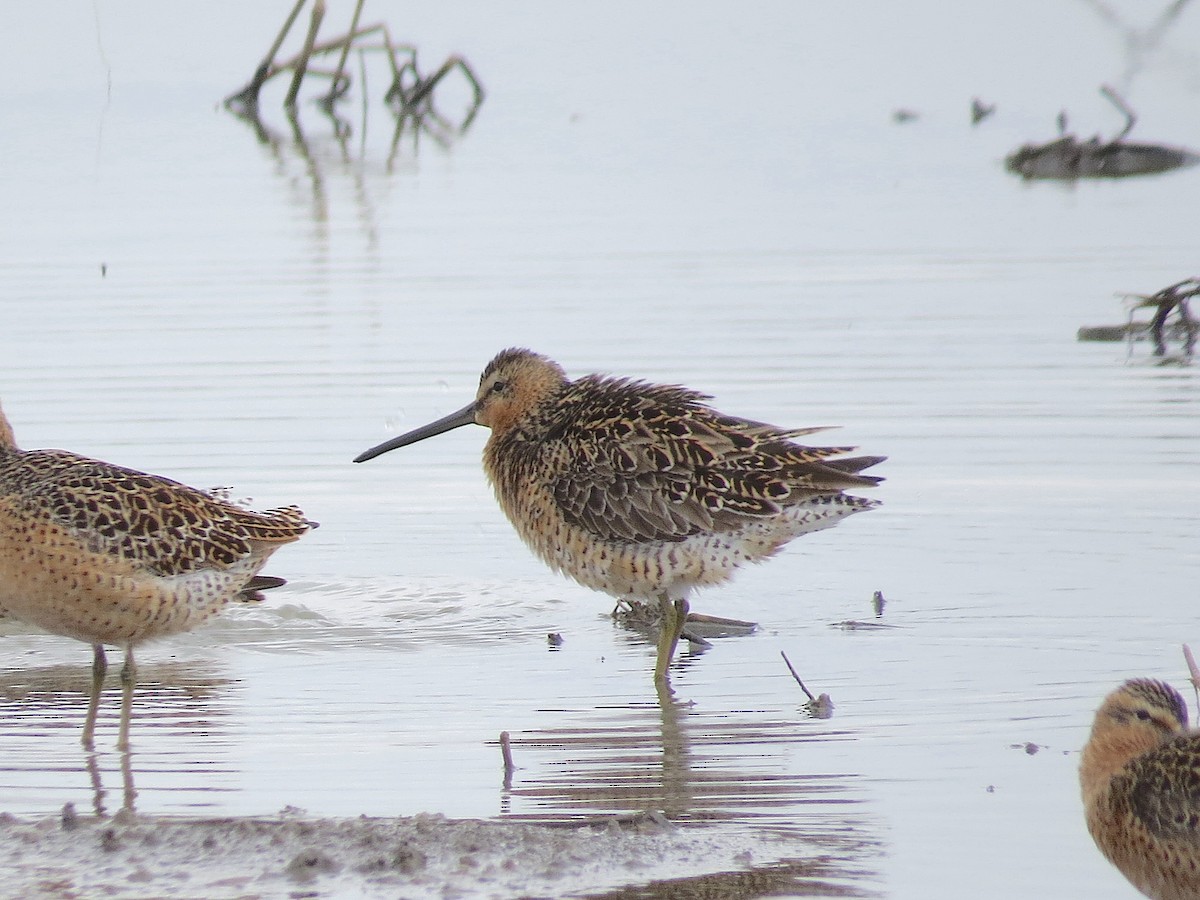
pixel 1068 158
pixel 1172 319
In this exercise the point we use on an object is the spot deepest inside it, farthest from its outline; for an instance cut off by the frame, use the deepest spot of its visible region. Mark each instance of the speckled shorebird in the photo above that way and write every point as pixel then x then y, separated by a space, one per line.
pixel 640 490
pixel 109 555
pixel 1140 776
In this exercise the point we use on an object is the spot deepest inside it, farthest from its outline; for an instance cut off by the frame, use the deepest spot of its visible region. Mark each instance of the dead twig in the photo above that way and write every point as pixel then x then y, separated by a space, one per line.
pixel 1111 95
pixel 506 753
pixel 818 707
pixel 340 83
pixel 314 25
pixel 1193 672
pixel 792 669
pixel 1173 298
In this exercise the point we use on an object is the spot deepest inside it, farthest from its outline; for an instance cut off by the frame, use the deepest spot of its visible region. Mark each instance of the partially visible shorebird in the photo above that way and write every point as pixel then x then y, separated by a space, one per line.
pixel 641 490
pixel 109 555
pixel 1140 778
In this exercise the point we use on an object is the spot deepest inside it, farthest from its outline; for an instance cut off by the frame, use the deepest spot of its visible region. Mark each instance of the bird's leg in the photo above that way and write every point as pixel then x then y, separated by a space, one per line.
pixel 99 668
pixel 674 614
pixel 666 644
pixel 128 678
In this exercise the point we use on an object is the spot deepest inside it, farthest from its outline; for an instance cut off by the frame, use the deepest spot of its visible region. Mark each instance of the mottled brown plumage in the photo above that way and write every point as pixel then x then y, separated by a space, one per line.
pixel 109 555
pixel 641 490
pixel 1140 778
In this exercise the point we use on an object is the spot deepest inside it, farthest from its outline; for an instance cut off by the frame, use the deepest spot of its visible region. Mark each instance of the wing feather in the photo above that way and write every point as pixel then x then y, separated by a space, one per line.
pixel 162 524
pixel 639 462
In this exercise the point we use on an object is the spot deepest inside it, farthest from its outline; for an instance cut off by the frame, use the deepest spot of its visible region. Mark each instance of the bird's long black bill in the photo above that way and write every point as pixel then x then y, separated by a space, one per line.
pixel 465 416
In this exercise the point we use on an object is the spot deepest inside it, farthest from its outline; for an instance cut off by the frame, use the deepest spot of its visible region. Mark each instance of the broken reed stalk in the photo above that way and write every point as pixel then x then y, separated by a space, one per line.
pixel 792 669
pixel 336 89
pixel 1193 672
pixel 310 39
pixel 283 33
pixel 269 69
pixel 1118 101
pixel 506 753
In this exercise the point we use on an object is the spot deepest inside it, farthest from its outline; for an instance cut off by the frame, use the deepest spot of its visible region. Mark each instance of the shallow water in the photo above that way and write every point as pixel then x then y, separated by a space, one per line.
pixel 682 194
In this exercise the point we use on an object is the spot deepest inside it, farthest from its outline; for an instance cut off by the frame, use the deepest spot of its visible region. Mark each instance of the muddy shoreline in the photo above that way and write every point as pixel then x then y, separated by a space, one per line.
pixel 293 855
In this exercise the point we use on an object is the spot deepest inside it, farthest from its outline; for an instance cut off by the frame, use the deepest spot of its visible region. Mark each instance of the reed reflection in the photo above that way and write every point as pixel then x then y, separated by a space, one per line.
pixel 416 101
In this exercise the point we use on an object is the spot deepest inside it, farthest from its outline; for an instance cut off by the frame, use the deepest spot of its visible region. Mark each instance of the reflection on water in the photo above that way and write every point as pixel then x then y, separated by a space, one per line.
pixel 169 695
pixel 42 710
pixel 128 790
pixel 672 759
pixel 786 878
pixel 410 98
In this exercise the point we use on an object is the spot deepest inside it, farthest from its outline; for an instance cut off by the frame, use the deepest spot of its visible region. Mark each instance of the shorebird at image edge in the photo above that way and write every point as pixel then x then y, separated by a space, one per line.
pixel 645 491
pixel 109 555
pixel 1139 774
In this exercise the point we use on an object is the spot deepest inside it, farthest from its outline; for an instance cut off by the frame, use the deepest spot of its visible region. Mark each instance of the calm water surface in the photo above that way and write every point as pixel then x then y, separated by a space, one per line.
pixel 686 194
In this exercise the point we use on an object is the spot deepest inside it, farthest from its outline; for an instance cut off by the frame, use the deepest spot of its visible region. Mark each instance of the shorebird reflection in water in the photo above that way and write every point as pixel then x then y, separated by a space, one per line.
pixel 640 490
pixel 1140 777
pixel 109 555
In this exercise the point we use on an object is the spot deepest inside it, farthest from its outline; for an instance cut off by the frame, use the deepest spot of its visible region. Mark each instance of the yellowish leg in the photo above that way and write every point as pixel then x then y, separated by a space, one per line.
pixel 128 679
pixel 673 617
pixel 99 668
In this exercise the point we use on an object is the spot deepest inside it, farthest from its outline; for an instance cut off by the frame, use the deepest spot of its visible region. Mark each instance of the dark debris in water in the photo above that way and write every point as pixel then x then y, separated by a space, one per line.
pixel 980 110
pixel 856 625
pixel 1170 322
pixel 1067 158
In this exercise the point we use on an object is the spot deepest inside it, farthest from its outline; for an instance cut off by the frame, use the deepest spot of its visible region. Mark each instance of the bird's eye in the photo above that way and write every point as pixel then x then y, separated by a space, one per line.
pixel 1143 715
pixel 498 386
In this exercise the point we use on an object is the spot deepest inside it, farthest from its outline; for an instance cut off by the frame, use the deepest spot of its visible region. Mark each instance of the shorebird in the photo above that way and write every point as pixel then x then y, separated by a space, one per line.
pixel 108 555
pixel 643 491
pixel 1140 777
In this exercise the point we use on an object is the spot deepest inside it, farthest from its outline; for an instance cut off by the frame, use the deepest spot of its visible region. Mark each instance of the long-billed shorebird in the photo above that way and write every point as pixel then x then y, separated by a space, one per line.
pixel 109 555
pixel 641 490
pixel 1140 777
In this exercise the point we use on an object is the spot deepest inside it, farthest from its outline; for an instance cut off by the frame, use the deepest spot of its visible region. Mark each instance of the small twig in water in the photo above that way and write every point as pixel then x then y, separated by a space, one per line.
pixel 792 669
pixel 818 707
pixel 1116 100
pixel 1193 672
pixel 506 752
